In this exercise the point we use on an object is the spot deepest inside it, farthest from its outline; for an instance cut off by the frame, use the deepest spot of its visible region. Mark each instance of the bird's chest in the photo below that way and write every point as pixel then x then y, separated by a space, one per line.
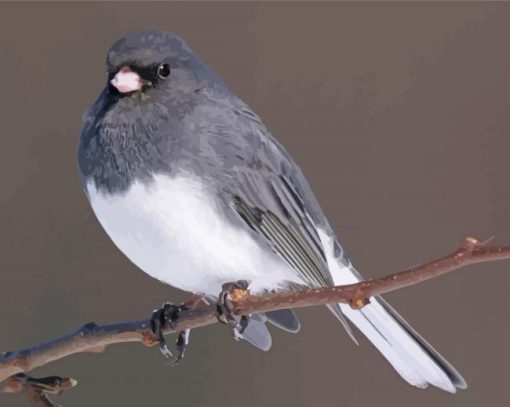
pixel 175 231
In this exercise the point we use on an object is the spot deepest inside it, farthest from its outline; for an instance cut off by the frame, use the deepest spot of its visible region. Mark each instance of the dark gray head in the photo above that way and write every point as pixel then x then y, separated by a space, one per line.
pixel 154 81
pixel 147 70
pixel 155 64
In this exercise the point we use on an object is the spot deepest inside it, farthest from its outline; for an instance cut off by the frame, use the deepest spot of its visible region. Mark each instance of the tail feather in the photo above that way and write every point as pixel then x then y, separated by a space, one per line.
pixel 285 319
pixel 400 361
pixel 412 357
pixel 452 373
pixel 402 350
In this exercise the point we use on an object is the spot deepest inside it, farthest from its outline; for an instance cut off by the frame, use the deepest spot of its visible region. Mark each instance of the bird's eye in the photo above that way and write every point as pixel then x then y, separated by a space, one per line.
pixel 164 71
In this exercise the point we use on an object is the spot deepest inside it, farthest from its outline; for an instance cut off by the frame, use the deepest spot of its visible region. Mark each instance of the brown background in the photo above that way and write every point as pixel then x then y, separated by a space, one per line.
pixel 397 113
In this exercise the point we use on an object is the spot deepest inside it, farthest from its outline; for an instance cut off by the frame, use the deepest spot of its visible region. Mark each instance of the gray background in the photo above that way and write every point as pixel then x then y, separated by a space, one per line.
pixel 398 115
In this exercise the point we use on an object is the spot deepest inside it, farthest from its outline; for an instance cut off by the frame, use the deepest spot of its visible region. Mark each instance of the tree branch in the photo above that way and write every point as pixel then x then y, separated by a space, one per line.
pixel 95 338
pixel 37 389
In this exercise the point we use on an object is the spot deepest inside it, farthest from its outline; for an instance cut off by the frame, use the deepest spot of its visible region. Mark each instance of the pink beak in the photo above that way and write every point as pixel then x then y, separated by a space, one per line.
pixel 126 80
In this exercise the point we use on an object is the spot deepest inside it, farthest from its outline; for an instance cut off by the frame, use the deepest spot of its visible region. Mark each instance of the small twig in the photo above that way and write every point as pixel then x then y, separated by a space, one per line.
pixel 37 389
pixel 95 338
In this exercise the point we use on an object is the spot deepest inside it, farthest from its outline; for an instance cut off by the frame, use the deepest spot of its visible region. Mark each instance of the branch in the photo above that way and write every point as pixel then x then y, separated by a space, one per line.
pixel 358 295
pixel 37 389
pixel 95 338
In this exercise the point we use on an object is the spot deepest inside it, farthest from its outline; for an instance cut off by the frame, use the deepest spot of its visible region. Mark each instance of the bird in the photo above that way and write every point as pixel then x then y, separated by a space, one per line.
pixel 191 186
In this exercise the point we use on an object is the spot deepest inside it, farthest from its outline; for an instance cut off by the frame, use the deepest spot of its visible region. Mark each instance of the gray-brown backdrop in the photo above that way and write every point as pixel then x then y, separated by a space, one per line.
pixel 397 113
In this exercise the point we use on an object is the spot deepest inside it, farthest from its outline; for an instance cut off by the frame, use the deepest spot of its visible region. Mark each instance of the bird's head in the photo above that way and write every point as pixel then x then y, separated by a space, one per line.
pixel 154 63
pixel 155 86
pixel 154 79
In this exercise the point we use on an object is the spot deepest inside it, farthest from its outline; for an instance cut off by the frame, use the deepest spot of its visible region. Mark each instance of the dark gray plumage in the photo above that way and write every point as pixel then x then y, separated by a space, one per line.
pixel 188 134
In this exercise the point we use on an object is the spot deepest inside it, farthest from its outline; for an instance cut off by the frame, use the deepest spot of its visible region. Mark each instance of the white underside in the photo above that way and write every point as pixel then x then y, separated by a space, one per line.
pixel 173 230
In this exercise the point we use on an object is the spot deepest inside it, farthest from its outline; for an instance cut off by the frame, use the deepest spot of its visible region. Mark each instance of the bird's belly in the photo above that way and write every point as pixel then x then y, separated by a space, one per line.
pixel 174 231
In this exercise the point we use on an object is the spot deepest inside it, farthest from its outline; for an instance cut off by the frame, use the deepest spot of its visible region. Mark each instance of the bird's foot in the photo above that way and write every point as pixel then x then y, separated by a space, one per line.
pixel 165 317
pixel 231 292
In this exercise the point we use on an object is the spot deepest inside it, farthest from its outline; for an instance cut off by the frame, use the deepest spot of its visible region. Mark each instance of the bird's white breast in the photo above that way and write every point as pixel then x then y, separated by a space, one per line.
pixel 173 230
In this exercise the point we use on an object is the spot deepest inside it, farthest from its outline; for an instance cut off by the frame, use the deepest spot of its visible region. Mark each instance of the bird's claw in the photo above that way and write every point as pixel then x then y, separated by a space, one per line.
pixel 237 334
pixel 180 345
pixel 243 323
pixel 165 317
pixel 165 351
pixel 224 309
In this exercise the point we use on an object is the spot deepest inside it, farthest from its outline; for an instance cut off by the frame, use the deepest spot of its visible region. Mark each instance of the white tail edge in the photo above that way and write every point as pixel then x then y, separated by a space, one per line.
pixel 412 357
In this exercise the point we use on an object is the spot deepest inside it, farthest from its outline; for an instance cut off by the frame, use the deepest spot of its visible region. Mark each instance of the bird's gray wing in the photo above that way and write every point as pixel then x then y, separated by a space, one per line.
pixel 272 197
pixel 285 226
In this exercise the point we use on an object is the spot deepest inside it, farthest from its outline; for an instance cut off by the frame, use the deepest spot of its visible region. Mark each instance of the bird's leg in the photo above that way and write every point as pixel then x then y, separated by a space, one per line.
pixel 230 292
pixel 181 343
pixel 167 316
pixel 164 317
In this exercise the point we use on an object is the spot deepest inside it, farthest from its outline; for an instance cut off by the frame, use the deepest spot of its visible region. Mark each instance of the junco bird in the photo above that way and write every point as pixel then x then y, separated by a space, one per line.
pixel 194 190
